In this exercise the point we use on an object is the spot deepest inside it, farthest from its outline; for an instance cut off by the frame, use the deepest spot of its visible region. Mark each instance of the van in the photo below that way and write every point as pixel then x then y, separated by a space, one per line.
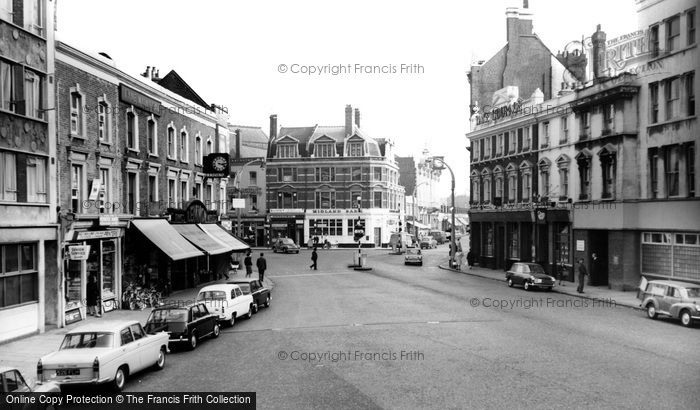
pixel 401 240
pixel 439 236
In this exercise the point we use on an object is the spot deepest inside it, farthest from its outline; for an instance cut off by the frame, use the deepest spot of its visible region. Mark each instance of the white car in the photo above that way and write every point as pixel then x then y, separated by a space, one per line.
pixel 104 352
pixel 12 381
pixel 227 301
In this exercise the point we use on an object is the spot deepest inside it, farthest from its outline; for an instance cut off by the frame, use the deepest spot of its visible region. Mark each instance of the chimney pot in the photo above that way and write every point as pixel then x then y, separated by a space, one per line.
pixel 273 126
pixel 357 117
pixel 349 120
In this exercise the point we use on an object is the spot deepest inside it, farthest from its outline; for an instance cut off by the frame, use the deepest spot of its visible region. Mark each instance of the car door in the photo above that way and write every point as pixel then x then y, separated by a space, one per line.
pixel 672 298
pixel 13 382
pixel 255 292
pixel 130 350
pixel 198 321
pixel 206 319
pixel 145 346
pixel 239 302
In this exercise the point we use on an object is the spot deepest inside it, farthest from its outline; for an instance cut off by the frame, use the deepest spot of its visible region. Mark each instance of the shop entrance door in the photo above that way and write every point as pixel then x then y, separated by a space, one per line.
pixel 599 246
pixel 378 237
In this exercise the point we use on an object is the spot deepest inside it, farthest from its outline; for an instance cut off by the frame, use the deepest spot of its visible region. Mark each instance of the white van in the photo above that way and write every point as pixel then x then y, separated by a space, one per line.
pixel 399 241
pixel 226 301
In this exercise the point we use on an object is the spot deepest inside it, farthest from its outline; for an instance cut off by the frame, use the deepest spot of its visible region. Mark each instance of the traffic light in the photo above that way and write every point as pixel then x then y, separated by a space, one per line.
pixel 359 229
pixel 400 224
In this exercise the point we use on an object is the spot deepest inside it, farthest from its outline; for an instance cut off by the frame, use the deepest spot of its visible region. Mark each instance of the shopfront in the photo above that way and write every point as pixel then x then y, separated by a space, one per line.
pixel 338 226
pixel 92 253
pixel 287 223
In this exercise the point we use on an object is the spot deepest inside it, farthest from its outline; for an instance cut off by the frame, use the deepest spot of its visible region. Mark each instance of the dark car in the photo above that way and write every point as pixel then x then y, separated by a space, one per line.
pixel 185 324
pixel 285 245
pixel 529 275
pixel 261 294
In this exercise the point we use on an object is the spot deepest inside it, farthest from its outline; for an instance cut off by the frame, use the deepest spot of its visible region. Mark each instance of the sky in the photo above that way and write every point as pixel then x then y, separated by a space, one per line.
pixel 402 63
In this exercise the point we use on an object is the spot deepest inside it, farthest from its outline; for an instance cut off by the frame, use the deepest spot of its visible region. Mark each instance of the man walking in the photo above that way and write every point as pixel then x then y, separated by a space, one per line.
pixel 248 262
pixel 582 273
pixel 93 297
pixel 262 265
pixel 314 258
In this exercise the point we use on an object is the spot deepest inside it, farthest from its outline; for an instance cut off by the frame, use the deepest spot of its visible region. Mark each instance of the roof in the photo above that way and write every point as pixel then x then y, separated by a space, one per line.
pixel 219 286
pixel 103 326
pixel 307 135
pixel 254 141
pixel 173 82
pixel 675 283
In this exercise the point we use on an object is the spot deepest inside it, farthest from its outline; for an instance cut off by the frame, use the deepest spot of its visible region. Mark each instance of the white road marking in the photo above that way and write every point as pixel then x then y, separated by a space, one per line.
pixel 312 274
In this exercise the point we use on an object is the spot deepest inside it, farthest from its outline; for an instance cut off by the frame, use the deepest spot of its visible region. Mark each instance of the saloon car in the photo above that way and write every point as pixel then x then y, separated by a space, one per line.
pixel 529 275
pixel 261 294
pixel 185 324
pixel 428 242
pixel 284 245
pixel 104 352
pixel 227 301
pixel 12 381
pixel 413 257
pixel 672 299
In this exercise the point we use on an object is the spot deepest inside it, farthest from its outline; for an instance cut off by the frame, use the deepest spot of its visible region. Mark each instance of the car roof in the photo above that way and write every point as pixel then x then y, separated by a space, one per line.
pixel 112 326
pixel 177 305
pixel 242 280
pixel 219 286
pixel 675 283
pixel 4 369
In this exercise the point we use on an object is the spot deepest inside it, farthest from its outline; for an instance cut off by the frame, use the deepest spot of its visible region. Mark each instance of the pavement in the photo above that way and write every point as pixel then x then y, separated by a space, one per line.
pixel 597 293
pixel 24 353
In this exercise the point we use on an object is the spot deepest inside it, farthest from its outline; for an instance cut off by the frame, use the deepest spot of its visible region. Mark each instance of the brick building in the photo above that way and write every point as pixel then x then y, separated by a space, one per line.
pixel 29 278
pixel 321 180
pixel 130 148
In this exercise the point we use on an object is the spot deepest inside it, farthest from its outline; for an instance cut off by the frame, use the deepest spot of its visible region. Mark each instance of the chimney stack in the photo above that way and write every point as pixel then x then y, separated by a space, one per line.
pixel 349 120
pixel 599 58
pixel 273 126
pixel 147 73
pixel 357 117
pixel 518 23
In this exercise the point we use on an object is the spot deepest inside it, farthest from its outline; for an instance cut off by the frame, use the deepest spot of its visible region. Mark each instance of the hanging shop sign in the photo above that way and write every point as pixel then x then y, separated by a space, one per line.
pixel 78 252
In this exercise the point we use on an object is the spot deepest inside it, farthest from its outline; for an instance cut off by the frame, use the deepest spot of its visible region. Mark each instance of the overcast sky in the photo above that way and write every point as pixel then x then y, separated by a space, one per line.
pixel 230 52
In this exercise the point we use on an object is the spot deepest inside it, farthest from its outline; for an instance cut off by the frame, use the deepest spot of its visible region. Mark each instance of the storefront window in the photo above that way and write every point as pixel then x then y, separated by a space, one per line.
pixel 108 256
pixel 74 294
pixel 562 245
pixel 513 243
pixel 489 241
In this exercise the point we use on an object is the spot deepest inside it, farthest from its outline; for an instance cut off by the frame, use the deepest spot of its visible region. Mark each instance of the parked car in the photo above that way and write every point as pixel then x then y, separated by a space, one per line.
pixel 413 257
pixel 529 275
pixel 261 294
pixel 227 301
pixel 284 245
pixel 185 324
pixel 439 236
pixel 12 381
pixel 673 299
pixel 428 242
pixel 104 352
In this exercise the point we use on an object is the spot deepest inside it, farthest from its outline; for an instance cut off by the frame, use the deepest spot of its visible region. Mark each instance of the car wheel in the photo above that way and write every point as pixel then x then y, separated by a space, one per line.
pixel 217 330
pixel 119 379
pixel 651 311
pixel 160 363
pixel 193 341
pixel 255 308
pixel 274 250
pixel 686 320
pixel 296 252
pixel 420 264
pixel 284 250
pixel 510 283
pixel 267 301
pixel 250 312
pixel 526 285
pixel 548 289
pixel 232 321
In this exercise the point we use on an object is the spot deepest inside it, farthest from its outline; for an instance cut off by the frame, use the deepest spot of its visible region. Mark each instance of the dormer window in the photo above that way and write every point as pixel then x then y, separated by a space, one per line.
pixel 356 149
pixel 287 151
pixel 324 149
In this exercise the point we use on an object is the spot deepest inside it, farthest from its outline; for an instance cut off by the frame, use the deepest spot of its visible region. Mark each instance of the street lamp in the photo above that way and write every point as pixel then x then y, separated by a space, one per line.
pixel 237 183
pixel 438 163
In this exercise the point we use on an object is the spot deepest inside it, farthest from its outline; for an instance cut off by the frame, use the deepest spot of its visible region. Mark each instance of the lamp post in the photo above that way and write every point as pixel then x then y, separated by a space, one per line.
pixel 236 184
pixel 439 164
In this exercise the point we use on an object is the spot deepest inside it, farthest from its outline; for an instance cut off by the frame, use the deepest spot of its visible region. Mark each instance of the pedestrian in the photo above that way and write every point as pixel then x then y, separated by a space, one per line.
pixel 314 258
pixel 582 273
pixel 595 269
pixel 470 259
pixel 93 297
pixel 262 266
pixel 248 262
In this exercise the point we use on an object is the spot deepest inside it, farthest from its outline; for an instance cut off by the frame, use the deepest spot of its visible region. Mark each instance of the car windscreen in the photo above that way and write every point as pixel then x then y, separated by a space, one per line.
pixel 411 251
pixel 693 292
pixel 536 269
pixel 86 340
pixel 168 316
pixel 212 295
pixel 287 241
pixel 245 287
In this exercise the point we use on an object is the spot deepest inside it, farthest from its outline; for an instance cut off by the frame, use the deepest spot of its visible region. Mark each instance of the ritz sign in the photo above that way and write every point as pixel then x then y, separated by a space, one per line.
pixel 503 111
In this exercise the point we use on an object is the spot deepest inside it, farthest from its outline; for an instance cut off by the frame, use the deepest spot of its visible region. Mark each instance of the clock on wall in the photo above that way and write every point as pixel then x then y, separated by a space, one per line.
pixel 216 165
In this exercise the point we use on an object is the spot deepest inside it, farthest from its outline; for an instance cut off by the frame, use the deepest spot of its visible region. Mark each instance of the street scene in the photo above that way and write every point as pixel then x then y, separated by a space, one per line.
pixel 313 205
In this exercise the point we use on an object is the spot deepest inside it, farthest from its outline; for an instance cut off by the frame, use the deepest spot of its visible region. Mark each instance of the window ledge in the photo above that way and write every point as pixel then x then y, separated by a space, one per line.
pixel 671 121
pixel 15 203
pixel 77 136
pixel 106 143
pixel 152 155
pixel 663 54
pixel 132 150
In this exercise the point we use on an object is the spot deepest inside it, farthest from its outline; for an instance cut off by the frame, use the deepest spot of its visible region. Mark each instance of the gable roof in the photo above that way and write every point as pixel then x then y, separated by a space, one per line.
pixel 173 82
pixel 254 141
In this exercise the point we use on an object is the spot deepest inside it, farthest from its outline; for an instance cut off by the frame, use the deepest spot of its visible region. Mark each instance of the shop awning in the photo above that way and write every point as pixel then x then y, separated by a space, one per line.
pixel 200 239
pixel 220 235
pixel 165 237
pixel 460 221
pixel 418 225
